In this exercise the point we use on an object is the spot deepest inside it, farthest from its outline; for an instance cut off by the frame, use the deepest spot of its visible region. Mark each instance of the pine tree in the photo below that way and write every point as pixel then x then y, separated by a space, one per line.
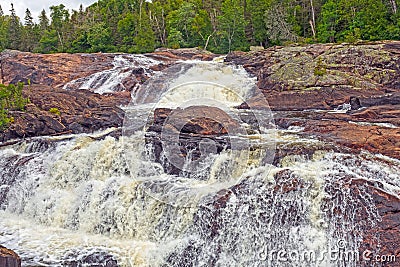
pixel 14 30
pixel 43 21
pixel 3 30
pixel 29 32
pixel 28 18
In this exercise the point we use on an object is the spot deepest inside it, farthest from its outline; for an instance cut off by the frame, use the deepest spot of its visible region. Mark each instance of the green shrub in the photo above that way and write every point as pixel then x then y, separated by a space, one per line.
pixel 4 120
pixel 320 68
pixel 55 111
pixel 10 99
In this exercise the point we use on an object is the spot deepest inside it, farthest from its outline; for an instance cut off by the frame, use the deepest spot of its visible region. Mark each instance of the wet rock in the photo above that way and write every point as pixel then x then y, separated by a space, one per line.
pixel 89 259
pixel 50 69
pixel 375 139
pixel 378 232
pixel 355 103
pixel 191 127
pixel 9 258
pixel 79 111
pixel 384 239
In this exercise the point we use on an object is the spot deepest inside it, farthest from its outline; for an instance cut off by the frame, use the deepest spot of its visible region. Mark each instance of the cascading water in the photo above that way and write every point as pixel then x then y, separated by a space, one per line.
pixel 96 198
pixel 109 81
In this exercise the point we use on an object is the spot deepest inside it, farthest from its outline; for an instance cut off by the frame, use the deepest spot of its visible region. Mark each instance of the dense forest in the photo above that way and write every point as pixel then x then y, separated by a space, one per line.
pixel 137 26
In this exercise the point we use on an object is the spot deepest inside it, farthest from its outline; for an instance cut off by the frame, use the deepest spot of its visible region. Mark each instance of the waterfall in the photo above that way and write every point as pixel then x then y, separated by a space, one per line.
pixel 109 81
pixel 87 197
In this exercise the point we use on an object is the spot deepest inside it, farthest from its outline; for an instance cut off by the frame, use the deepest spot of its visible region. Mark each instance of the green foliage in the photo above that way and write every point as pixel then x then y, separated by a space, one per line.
pixel 126 28
pixel 353 20
pixel 175 38
pixel 320 68
pixel 99 38
pixel 232 24
pixel 55 111
pixel 10 99
pixel 49 42
pixel 4 119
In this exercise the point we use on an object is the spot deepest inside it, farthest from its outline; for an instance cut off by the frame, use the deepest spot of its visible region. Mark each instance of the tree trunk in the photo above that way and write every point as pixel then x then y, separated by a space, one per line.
pixel 312 22
pixel 394 6
pixel 61 42
pixel 208 40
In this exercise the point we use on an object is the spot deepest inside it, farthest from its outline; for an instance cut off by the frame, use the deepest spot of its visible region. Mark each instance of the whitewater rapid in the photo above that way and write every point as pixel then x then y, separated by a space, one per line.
pixel 102 195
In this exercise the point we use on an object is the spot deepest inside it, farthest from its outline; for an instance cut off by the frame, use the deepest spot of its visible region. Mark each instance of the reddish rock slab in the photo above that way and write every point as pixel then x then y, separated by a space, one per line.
pixel 381 234
pixel 9 258
pixel 198 120
pixel 321 99
pixel 375 139
pixel 184 54
pixel 50 69
pixel 56 70
pixel 79 111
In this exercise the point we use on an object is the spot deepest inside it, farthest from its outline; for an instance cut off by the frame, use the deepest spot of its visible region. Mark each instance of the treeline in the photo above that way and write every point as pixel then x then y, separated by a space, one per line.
pixel 137 26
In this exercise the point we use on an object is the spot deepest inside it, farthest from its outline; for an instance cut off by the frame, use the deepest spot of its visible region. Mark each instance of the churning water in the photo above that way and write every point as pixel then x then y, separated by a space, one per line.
pixel 100 198
pixel 111 80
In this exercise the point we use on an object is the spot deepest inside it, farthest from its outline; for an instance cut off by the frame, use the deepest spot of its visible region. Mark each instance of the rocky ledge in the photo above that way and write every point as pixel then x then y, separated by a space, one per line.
pixel 56 70
pixel 305 84
pixel 9 258
pixel 56 111
pixel 194 129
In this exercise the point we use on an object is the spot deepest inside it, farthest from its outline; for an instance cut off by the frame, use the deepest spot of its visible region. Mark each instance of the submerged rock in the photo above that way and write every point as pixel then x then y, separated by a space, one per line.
pixel 89 259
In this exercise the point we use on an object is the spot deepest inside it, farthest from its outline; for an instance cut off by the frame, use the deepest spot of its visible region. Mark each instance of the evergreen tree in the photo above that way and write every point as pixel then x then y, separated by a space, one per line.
pixel 3 30
pixel 14 30
pixel 59 19
pixel 145 37
pixel 29 32
pixel 28 18
pixel 43 21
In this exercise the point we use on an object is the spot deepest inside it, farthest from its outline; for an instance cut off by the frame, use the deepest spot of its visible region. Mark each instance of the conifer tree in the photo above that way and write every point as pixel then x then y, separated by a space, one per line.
pixel 29 32
pixel 14 30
